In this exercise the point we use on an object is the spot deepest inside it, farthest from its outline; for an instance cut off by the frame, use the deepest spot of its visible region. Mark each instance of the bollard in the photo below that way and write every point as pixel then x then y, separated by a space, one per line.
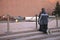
pixel 36 21
pixel 57 20
pixel 7 23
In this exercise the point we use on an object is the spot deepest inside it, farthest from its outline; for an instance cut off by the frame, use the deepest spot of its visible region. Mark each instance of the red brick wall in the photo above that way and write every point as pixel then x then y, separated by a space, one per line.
pixel 25 7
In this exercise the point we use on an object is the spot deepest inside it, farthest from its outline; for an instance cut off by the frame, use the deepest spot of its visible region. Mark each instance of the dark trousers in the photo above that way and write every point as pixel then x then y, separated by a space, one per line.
pixel 43 28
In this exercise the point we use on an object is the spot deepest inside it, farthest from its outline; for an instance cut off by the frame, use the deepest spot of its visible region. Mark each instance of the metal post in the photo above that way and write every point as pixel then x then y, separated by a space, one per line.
pixel 36 21
pixel 7 23
pixel 57 20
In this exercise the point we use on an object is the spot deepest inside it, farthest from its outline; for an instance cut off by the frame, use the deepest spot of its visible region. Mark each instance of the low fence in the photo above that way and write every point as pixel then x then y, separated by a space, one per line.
pixel 54 22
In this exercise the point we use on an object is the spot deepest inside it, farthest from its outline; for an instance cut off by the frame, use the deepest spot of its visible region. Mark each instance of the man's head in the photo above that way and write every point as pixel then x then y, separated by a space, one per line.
pixel 43 10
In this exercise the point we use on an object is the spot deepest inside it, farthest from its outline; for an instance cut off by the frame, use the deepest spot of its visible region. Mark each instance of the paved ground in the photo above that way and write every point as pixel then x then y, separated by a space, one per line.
pixel 32 35
pixel 27 31
pixel 25 26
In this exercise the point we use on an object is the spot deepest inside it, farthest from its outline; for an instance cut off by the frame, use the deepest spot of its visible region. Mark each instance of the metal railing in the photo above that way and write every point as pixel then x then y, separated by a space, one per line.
pixel 57 28
pixel 36 22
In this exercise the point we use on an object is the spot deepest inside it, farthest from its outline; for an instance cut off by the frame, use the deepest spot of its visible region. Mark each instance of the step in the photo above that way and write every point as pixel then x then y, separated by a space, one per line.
pixel 36 36
pixel 11 33
pixel 57 34
pixel 29 36
pixel 51 30
pixel 52 38
pixel 11 36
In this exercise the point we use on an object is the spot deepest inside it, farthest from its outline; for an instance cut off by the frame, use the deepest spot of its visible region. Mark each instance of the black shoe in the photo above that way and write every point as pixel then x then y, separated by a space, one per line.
pixel 45 32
